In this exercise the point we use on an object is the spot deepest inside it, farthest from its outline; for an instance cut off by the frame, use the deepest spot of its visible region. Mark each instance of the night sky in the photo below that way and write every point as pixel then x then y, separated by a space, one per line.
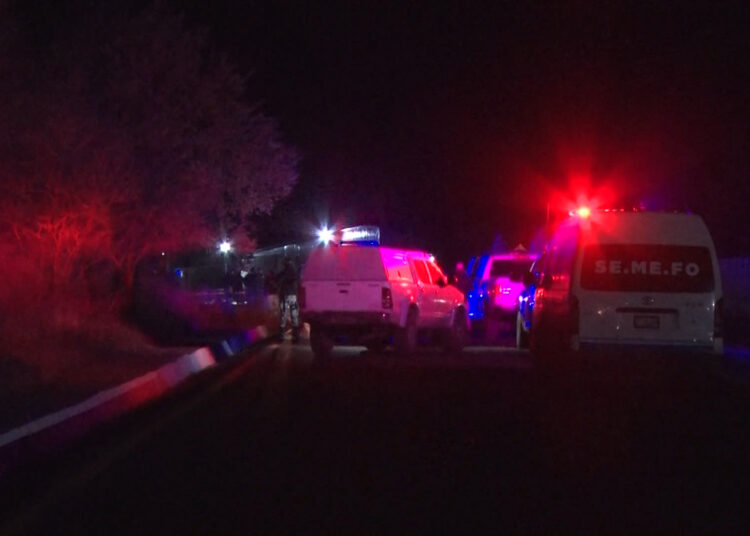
pixel 448 125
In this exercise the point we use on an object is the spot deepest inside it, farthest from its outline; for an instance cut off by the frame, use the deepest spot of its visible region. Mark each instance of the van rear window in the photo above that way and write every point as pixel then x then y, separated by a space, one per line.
pixel 511 268
pixel 647 268
pixel 349 263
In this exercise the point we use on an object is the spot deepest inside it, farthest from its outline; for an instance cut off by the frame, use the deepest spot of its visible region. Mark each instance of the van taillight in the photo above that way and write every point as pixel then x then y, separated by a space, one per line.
pixel 719 318
pixel 301 297
pixel 386 298
pixel 574 314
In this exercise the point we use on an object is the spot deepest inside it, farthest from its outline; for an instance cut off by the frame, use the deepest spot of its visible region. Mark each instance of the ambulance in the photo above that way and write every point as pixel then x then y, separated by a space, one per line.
pixel 614 278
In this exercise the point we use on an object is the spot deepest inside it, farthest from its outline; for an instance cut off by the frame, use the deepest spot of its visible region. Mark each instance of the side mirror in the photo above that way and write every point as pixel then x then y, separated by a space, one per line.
pixel 441 283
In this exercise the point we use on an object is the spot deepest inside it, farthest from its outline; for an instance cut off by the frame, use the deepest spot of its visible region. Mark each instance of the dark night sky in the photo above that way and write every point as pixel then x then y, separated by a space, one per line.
pixel 447 125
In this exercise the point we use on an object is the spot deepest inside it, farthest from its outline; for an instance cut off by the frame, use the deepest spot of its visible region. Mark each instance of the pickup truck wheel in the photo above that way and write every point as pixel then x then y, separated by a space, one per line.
pixel 405 339
pixel 457 334
pixel 522 336
pixel 320 342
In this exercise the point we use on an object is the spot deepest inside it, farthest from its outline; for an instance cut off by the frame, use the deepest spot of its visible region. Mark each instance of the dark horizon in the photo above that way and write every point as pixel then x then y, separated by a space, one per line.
pixel 450 125
pixel 649 105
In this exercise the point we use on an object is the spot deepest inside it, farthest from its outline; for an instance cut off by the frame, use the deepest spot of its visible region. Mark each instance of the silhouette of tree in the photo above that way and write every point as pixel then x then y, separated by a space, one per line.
pixel 127 134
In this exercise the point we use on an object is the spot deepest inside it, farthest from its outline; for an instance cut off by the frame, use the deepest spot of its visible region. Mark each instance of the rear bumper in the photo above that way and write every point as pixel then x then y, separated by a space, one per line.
pixel 341 318
pixel 636 345
pixel 352 327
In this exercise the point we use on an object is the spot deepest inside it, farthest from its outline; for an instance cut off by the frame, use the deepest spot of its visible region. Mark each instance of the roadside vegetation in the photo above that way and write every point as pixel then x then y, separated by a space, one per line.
pixel 125 135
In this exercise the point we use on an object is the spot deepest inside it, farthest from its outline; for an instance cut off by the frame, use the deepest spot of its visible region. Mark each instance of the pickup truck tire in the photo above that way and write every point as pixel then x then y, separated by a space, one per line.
pixel 321 342
pixel 457 334
pixel 405 339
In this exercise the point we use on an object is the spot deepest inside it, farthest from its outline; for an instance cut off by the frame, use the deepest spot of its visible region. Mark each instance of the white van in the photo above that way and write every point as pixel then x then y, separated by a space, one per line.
pixel 375 296
pixel 628 279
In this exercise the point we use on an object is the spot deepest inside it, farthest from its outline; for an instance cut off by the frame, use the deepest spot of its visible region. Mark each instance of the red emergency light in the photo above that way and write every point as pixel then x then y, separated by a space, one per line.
pixel 582 212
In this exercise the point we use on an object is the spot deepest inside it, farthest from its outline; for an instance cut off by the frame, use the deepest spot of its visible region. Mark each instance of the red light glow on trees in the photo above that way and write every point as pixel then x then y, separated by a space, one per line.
pixel 126 138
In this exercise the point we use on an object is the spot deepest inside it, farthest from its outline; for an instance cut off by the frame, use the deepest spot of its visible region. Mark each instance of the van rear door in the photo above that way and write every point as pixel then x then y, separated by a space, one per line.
pixel 651 293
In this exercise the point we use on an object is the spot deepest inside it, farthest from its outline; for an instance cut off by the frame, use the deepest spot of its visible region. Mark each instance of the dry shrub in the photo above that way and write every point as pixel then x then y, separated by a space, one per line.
pixel 55 332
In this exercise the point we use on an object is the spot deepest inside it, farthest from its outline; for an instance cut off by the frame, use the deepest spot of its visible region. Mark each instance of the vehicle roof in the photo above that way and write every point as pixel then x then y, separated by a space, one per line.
pixel 512 256
pixel 484 262
pixel 343 248
pixel 642 228
pixel 347 261
pixel 409 252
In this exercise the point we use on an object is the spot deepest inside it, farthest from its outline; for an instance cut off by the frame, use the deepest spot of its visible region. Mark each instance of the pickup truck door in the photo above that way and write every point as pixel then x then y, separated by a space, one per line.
pixel 427 294
pixel 444 294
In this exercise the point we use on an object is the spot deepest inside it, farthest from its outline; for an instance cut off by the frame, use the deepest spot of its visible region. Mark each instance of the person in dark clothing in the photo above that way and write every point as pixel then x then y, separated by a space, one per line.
pixel 461 279
pixel 288 285
pixel 252 282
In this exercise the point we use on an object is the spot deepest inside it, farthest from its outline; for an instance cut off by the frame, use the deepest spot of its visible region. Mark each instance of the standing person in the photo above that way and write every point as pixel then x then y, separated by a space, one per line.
pixel 255 284
pixel 461 279
pixel 251 281
pixel 288 282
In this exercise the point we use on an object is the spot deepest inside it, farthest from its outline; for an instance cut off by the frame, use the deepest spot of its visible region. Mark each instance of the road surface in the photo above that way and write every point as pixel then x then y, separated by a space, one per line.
pixel 434 444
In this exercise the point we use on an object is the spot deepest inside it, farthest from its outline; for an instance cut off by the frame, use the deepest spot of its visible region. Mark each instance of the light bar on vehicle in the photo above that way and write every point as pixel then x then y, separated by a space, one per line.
pixel 584 212
pixel 581 212
pixel 361 234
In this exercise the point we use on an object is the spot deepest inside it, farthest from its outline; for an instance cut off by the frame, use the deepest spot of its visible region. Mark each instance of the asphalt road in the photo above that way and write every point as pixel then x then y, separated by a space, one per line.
pixel 434 443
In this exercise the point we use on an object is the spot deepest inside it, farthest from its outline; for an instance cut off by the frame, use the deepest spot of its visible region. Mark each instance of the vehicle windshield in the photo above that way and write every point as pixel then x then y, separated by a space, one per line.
pixel 647 268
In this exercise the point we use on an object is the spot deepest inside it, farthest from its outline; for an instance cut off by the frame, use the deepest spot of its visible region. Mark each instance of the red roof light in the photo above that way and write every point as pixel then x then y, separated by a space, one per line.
pixel 581 212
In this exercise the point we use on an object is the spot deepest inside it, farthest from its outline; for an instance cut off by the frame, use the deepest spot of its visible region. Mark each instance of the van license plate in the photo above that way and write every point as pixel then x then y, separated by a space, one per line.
pixel 646 321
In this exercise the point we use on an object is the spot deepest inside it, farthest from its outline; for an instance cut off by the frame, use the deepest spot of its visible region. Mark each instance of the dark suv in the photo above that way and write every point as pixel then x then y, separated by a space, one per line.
pixel 497 284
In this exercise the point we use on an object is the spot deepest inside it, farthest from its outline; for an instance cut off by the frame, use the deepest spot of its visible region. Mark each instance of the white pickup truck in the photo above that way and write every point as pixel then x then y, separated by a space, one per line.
pixel 375 296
